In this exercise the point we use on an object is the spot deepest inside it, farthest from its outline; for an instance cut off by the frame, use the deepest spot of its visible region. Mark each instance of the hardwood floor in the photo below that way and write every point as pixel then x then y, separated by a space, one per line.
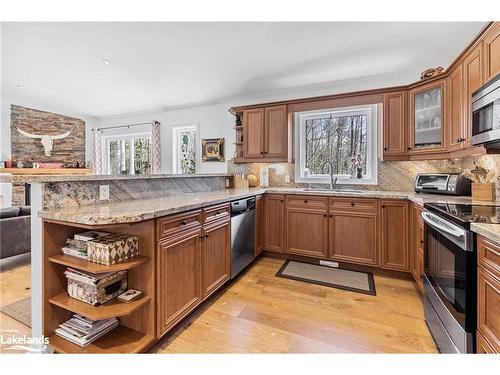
pixel 261 313
pixel 15 279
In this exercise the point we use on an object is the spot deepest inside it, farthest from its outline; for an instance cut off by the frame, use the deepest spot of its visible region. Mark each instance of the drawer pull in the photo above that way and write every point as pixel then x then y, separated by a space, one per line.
pixel 305 200
pixel 183 222
pixel 217 213
pixel 352 204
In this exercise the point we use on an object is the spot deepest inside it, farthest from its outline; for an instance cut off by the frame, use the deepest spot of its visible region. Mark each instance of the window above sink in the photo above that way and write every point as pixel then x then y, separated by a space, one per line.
pixel 345 136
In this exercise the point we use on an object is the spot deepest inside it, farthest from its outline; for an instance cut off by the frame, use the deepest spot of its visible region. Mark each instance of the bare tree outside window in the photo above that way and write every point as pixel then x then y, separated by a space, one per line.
pixel 340 139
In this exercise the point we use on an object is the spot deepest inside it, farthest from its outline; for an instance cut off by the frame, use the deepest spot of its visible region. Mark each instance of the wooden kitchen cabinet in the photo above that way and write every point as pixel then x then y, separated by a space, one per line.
pixel 353 237
pixel 427 125
pixel 457 129
pixel 491 45
pixel 394 245
pixel 394 126
pixel 216 256
pixel 275 220
pixel 473 80
pixel 179 278
pixel 416 246
pixel 488 296
pixel 253 133
pixel 266 134
pixel 306 228
pixel 260 217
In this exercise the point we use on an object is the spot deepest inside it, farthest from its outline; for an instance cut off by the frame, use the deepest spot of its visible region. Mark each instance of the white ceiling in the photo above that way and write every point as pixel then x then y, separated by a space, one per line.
pixel 167 65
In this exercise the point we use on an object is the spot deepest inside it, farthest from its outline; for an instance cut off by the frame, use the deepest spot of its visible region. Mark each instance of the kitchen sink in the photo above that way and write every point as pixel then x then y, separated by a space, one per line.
pixel 320 190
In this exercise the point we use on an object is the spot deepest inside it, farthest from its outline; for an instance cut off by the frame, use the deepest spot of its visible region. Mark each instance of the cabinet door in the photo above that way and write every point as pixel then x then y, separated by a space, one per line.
pixel 456 109
pixel 473 80
pixel 274 231
pixel 306 232
pixel 426 107
pixel 216 256
pixel 483 346
pixel 395 124
pixel 492 52
pixel 394 251
pixel 259 224
pixel 276 133
pixel 353 237
pixel 253 133
pixel 488 316
pixel 179 283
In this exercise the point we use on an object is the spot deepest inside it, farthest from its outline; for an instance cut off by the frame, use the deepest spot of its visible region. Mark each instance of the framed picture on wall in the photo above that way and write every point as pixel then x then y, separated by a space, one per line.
pixel 212 149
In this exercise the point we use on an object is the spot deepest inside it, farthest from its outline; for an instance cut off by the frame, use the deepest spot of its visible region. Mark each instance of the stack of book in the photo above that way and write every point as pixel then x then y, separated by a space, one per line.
pixel 83 331
pixel 78 245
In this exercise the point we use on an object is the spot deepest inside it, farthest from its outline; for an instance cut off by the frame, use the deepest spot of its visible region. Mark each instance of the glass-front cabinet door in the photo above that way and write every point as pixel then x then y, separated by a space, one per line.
pixel 427 121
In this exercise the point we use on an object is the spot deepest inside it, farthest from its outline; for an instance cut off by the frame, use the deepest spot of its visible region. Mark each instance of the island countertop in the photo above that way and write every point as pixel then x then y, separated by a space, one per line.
pixel 130 211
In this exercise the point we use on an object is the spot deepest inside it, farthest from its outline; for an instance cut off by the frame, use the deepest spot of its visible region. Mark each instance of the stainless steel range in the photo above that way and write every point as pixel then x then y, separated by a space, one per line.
pixel 450 272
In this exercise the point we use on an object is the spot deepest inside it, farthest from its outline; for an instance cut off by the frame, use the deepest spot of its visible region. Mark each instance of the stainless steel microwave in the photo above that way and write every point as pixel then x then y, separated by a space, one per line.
pixel 486 115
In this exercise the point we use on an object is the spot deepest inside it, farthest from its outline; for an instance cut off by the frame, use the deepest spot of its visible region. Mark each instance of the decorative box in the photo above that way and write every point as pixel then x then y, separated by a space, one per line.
pixel 96 290
pixel 484 191
pixel 113 249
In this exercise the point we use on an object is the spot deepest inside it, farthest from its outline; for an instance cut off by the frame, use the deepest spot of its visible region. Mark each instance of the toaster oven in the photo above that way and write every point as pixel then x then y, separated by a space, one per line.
pixel 443 183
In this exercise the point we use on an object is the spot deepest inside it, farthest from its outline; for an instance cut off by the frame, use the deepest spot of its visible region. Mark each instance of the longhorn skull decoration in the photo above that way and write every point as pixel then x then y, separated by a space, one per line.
pixel 47 140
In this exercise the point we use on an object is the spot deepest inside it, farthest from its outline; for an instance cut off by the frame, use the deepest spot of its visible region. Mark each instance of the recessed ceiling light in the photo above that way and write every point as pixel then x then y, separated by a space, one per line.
pixel 20 87
pixel 106 61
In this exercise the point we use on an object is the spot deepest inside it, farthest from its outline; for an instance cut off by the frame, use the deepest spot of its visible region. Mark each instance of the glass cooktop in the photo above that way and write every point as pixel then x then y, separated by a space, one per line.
pixel 467 213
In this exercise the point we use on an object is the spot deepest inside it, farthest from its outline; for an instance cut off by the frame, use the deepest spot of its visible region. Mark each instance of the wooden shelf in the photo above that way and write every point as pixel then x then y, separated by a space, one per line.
pixel 120 340
pixel 85 265
pixel 110 309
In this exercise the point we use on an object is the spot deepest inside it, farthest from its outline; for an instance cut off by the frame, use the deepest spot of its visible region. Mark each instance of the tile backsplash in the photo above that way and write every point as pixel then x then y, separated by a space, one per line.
pixel 392 175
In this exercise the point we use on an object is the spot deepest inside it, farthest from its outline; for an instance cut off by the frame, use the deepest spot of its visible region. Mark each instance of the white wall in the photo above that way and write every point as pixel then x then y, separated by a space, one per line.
pixel 5 145
pixel 213 121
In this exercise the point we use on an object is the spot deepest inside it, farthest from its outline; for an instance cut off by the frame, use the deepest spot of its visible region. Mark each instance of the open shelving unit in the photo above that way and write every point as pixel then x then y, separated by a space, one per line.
pixel 238 143
pixel 136 332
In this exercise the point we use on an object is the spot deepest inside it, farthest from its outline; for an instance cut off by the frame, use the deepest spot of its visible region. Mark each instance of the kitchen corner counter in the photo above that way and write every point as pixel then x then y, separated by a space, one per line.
pixel 490 231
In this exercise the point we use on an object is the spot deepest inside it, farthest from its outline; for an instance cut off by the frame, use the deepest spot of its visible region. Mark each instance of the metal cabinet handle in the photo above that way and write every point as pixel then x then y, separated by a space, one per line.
pixel 331 215
pixel 305 200
pixel 183 222
pixel 352 204
pixel 385 148
pixel 408 148
pixel 217 212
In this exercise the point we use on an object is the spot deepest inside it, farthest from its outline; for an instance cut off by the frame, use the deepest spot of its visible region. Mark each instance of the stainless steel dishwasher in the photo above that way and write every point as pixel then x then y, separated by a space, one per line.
pixel 242 234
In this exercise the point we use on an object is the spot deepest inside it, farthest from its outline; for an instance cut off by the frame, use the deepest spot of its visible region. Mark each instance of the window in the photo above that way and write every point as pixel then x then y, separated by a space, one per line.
pixel 184 149
pixel 347 137
pixel 128 154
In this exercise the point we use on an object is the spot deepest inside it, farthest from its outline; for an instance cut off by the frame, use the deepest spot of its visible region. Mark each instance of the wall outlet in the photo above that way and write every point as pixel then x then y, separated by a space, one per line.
pixel 287 179
pixel 103 192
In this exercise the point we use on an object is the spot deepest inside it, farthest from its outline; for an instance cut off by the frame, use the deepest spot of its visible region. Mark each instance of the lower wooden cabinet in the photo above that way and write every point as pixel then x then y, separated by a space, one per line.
pixel 306 232
pixel 483 346
pixel 179 278
pixel 275 218
pixel 260 217
pixel 216 256
pixel 488 314
pixel 354 237
pixel 394 253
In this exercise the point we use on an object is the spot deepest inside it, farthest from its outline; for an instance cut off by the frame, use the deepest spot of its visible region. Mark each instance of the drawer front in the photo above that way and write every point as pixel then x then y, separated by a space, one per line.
pixel 175 224
pixel 306 201
pixel 214 213
pixel 483 346
pixel 353 204
pixel 488 299
pixel 488 254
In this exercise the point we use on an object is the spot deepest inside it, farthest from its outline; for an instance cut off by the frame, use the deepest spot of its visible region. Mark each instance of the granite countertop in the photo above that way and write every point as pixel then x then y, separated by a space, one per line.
pixel 87 177
pixel 130 211
pixel 490 231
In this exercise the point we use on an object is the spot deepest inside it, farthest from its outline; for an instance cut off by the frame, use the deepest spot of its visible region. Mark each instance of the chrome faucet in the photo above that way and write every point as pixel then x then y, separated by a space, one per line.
pixel 333 179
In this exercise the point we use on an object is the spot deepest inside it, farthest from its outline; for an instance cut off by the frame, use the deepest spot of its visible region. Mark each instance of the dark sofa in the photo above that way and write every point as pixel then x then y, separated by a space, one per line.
pixel 15 231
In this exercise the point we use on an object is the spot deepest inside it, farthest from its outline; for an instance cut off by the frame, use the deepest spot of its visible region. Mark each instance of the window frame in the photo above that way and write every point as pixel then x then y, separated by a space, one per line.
pixel 372 112
pixel 107 139
pixel 175 145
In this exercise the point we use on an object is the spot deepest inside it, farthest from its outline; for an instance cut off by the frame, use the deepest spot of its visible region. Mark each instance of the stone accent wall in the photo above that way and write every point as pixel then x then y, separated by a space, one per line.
pixel 68 151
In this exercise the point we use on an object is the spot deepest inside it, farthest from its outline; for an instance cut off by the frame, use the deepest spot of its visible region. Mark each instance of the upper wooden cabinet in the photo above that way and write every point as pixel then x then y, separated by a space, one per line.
pixel 394 126
pixel 491 45
pixel 456 126
pixel 266 134
pixel 253 133
pixel 473 80
pixel 426 107
pixel 394 250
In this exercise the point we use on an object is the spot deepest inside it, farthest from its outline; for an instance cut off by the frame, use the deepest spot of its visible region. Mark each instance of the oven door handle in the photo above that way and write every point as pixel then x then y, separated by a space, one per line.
pixel 434 221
